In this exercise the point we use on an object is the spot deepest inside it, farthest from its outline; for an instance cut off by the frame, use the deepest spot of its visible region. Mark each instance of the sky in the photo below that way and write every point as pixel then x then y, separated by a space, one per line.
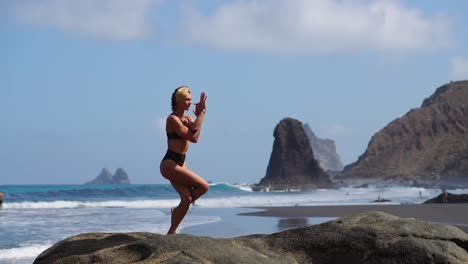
pixel 86 85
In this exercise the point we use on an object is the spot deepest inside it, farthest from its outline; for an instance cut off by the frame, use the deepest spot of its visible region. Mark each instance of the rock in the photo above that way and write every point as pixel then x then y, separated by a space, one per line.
pixel 365 185
pixel 105 177
pixel 451 198
pixel 381 200
pixel 292 164
pixel 428 145
pixel 120 177
pixel 324 151
pixel 372 237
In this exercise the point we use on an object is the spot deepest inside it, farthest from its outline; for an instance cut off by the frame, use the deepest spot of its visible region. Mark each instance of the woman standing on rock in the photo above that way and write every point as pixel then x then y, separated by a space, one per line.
pixel 182 129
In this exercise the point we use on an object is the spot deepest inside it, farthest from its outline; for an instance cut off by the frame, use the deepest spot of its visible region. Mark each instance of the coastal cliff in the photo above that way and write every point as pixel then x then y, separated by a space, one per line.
pixel 372 237
pixel 427 146
pixel 292 165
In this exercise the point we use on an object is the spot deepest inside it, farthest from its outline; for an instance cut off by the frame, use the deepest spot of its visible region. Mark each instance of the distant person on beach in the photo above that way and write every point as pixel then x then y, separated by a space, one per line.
pixel 1 199
pixel 182 129
pixel 444 196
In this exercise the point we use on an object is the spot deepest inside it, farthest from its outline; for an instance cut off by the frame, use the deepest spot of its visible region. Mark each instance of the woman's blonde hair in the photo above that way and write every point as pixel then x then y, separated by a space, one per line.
pixel 179 95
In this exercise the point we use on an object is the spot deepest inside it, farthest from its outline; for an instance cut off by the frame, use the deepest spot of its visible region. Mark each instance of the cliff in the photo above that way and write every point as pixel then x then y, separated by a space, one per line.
pixel 105 177
pixel 372 237
pixel 324 151
pixel 427 146
pixel 292 164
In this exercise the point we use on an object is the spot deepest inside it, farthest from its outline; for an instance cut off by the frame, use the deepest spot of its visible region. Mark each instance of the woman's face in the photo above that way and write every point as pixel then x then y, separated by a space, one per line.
pixel 187 101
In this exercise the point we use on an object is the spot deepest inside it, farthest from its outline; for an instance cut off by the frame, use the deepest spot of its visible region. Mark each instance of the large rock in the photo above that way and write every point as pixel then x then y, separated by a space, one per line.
pixel 292 164
pixel 372 237
pixel 105 177
pixel 448 198
pixel 324 151
pixel 120 177
pixel 428 145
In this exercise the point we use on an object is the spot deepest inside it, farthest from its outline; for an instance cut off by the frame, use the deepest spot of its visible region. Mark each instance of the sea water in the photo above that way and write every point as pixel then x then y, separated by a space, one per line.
pixel 34 217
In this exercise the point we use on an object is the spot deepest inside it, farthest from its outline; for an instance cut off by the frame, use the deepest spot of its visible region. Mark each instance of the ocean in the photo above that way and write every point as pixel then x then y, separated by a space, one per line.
pixel 34 217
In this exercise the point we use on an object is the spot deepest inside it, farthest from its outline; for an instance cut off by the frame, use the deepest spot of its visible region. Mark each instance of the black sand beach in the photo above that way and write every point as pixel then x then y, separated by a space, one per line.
pixel 451 214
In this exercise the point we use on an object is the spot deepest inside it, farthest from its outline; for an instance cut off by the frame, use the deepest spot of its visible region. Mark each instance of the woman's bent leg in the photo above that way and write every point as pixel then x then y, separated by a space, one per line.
pixel 198 192
pixel 186 177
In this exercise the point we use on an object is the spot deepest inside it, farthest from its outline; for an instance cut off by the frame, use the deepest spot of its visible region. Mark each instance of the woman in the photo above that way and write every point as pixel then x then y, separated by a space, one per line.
pixel 181 130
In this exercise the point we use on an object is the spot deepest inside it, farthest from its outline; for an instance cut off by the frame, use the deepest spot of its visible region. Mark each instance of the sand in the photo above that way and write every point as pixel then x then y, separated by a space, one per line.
pixel 451 214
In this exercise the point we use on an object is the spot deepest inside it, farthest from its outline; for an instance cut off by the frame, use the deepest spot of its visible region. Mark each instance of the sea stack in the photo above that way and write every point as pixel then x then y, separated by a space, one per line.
pixel 427 146
pixel 120 177
pixel 105 177
pixel 324 151
pixel 292 165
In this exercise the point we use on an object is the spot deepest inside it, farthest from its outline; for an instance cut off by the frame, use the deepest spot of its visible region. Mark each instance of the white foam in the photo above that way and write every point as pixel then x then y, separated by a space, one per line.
pixel 102 204
pixel 341 196
pixel 241 186
pixel 22 253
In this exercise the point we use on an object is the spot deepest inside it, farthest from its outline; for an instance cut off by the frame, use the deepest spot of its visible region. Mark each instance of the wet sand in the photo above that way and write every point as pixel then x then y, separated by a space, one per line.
pixel 451 214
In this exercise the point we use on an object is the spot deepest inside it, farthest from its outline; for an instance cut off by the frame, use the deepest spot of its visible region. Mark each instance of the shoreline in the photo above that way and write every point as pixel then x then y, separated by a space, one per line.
pixel 449 214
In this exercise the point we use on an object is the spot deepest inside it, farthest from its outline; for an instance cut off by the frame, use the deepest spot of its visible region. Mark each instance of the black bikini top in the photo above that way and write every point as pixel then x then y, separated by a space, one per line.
pixel 173 136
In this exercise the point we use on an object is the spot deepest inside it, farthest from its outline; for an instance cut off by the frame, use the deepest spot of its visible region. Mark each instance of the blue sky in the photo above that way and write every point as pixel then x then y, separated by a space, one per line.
pixel 87 84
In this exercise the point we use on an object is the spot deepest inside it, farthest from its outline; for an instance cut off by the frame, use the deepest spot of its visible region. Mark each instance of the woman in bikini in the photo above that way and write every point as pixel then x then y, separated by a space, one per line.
pixel 182 129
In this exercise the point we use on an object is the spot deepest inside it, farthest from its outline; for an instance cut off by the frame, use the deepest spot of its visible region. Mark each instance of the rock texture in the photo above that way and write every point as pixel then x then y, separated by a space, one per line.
pixel 120 177
pixel 105 177
pixel 292 164
pixel 372 237
pixel 427 145
pixel 451 198
pixel 324 151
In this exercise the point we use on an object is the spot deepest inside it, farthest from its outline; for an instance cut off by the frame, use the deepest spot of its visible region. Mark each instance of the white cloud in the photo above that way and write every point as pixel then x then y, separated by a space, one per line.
pixel 316 27
pixel 459 69
pixel 159 126
pixel 107 19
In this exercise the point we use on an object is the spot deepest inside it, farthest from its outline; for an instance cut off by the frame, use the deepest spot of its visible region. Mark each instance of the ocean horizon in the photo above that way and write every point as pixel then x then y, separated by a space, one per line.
pixel 34 217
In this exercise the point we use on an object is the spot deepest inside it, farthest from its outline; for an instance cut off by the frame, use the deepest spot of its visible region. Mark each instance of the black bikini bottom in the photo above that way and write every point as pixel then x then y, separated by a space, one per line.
pixel 176 157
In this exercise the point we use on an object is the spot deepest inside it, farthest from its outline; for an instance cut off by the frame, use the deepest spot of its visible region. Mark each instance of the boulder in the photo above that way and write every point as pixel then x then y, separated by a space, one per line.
pixel 372 237
pixel 427 146
pixel 292 164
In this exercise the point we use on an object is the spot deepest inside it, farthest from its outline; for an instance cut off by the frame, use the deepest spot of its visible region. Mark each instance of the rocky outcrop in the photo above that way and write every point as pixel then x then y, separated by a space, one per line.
pixel 372 237
pixel 324 151
pixel 449 198
pixel 120 177
pixel 427 145
pixel 105 177
pixel 292 164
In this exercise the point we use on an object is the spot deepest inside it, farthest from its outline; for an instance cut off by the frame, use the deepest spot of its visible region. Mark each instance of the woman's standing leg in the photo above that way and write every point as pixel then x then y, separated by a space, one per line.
pixel 178 213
